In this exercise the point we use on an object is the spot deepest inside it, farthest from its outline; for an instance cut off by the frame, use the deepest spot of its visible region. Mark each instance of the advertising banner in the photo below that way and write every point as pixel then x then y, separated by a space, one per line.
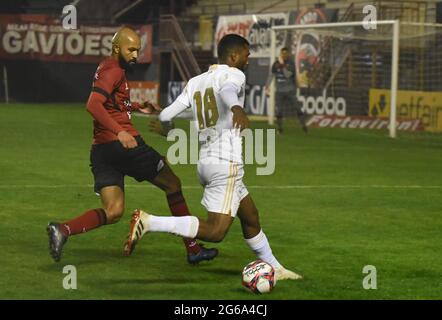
pixel 141 91
pixel 255 28
pixel 40 37
pixel 422 105
pixel 362 122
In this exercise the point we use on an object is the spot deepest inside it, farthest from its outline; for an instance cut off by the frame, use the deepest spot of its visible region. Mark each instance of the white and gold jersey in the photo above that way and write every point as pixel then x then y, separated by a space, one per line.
pixel 212 115
pixel 211 96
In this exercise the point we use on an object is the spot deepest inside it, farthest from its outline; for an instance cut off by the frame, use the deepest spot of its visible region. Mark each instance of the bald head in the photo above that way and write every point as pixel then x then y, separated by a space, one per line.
pixel 126 45
pixel 123 35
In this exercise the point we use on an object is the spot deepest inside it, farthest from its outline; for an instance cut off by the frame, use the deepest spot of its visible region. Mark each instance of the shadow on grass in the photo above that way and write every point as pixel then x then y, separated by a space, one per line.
pixel 84 256
pixel 144 281
pixel 223 272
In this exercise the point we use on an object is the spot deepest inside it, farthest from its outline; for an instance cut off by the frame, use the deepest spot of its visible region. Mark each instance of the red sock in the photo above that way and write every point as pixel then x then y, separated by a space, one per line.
pixel 87 221
pixel 178 207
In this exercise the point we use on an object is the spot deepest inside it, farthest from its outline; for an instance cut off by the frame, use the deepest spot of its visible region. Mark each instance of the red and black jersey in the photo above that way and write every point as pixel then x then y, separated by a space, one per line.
pixel 109 102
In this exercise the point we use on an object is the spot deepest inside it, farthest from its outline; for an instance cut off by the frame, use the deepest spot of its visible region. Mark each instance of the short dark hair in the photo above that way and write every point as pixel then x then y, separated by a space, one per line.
pixel 228 43
pixel 284 49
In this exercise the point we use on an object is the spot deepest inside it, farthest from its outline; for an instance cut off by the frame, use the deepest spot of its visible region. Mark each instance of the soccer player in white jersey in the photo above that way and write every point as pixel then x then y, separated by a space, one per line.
pixel 216 98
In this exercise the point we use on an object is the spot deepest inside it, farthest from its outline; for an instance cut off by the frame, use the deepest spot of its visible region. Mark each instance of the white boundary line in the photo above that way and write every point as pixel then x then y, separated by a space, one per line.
pixel 325 186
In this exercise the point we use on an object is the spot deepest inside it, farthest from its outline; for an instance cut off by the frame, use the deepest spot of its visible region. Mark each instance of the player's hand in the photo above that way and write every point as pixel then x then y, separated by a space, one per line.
pixel 150 108
pixel 156 127
pixel 127 140
pixel 240 119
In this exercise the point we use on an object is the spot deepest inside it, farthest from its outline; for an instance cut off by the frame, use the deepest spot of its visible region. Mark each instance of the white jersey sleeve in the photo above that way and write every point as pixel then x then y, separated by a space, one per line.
pixel 179 105
pixel 232 77
pixel 229 95
pixel 231 87
pixel 184 97
pixel 172 111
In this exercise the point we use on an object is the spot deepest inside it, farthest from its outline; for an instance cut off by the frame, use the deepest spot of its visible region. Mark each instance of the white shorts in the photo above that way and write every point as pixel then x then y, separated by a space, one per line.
pixel 223 186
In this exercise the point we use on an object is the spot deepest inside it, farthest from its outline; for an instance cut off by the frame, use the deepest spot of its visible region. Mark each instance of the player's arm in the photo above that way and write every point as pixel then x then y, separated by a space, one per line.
pixel 95 106
pixel 172 111
pixel 288 70
pixel 270 79
pixel 165 123
pixel 147 107
pixel 229 94
pixel 240 119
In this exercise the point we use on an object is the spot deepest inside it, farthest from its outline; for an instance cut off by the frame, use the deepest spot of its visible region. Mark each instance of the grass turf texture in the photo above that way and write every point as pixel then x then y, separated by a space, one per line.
pixel 345 217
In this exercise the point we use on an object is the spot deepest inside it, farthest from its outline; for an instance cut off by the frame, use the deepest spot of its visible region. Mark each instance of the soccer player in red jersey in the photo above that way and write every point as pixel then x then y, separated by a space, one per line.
pixel 119 150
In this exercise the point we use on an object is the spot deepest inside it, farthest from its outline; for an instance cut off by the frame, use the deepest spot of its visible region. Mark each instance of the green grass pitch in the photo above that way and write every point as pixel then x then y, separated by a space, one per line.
pixel 357 198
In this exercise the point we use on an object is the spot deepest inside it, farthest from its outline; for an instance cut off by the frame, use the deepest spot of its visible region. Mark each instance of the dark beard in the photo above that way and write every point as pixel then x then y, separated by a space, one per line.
pixel 128 67
pixel 243 68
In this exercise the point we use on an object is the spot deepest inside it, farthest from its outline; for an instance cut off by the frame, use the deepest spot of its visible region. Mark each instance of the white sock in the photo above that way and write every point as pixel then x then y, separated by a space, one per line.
pixel 260 245
pixel 186 226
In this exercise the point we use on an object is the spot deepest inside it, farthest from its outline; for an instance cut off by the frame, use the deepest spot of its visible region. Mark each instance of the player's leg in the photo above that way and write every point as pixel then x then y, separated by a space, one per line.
pixel 214 229
pixel 257 240
pixel 249 218
pixel 147 164
pixel 167 181
pixel 112 198
pixel 109 183
pixel 302 117
pixel 219 200
pixel 252 232
pixel 279 102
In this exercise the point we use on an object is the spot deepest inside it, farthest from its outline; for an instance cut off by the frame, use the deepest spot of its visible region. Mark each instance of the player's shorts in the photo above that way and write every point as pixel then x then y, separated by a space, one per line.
pixel 110 162
pixel 223 186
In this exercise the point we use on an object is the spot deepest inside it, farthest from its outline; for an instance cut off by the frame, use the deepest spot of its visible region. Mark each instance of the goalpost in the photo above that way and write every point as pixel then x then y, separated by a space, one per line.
pixel 364 66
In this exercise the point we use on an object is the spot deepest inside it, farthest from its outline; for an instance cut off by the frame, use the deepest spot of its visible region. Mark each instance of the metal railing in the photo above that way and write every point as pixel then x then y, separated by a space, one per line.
pixel 173 39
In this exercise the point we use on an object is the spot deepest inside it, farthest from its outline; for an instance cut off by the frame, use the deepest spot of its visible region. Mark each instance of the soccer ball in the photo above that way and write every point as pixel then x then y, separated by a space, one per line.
pixel 259 277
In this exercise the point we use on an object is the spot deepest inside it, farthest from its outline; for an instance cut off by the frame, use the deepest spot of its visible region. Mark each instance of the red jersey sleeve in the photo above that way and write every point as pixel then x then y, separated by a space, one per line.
pixel 105 81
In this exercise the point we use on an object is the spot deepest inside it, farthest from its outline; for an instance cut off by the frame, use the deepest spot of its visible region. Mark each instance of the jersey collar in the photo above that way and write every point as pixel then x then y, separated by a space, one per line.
pixel 217 66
